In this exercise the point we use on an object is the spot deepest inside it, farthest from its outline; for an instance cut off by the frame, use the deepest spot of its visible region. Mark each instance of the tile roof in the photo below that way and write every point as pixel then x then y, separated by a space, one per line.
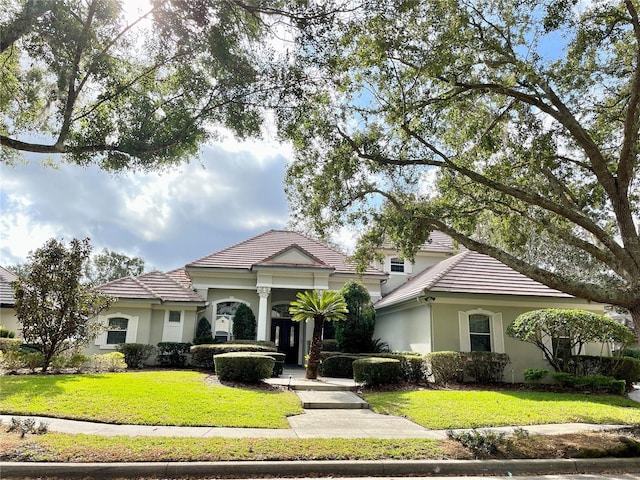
pixel 469 272
pixel 438 242
pixel 153 286
pixel 6 290
pixel 268 245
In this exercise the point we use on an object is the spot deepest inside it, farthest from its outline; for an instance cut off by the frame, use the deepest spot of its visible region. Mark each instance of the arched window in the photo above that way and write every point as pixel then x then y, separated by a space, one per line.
pixel 224 313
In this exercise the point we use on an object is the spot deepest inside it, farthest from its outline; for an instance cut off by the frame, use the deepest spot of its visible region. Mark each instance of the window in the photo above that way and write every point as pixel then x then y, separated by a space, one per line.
pixel 174 316
pixel 480 333
pixel 117 330
pixel 561 347
pixel 224 319
pixel 397 264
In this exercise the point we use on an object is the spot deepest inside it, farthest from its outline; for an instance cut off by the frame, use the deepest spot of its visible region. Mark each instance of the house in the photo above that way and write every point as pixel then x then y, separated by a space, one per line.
pixel 8 317
pixel 453 299
pixel 264 272
pixel 447 298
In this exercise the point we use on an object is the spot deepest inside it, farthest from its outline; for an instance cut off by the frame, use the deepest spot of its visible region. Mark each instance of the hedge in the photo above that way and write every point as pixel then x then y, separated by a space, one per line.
pixel 620 368
pixel 202 355
pixel 338 366
pixel 598 383
pixel 485 367
pixel 374 371
pixel 135 354
pixel 173 354
pixel 247 367
pixel 446 367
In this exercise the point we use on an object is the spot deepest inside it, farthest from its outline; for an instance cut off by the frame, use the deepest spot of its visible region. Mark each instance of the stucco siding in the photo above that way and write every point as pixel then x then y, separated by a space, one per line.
pixel 405 330
pixel 9 321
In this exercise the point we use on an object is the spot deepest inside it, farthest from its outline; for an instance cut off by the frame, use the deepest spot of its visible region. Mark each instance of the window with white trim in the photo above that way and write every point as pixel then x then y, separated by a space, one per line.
pixel 175 316
pixel 396 264
pixel 480 333
pixel 117 330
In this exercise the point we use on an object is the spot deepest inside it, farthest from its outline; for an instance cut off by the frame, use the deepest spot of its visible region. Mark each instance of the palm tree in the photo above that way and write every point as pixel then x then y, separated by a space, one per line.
pixel 323 306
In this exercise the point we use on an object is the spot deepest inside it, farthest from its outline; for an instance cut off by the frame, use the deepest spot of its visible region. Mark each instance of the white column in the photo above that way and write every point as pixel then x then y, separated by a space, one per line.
pixel 263 293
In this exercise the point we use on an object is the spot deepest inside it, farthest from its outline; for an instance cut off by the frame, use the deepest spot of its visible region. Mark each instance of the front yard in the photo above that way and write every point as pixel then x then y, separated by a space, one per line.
pixel 157 397
pixel 191 398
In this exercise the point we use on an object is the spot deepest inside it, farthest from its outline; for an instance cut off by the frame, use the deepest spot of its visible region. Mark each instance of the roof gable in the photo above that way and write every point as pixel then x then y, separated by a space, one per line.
pixel 274 244
pixel 293 256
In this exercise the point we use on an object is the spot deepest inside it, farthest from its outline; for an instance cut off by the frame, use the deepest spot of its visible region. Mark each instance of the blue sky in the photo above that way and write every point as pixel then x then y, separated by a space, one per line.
pixel 232 192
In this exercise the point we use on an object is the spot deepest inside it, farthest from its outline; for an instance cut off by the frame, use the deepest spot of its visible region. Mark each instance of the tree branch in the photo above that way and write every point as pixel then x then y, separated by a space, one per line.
pixel 22 24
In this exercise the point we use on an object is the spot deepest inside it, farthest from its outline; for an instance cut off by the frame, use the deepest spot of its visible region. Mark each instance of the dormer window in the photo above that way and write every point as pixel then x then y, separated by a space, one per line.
pixel 397 265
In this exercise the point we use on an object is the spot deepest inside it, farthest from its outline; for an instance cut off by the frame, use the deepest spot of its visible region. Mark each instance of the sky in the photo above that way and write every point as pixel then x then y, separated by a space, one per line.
pixel 231 193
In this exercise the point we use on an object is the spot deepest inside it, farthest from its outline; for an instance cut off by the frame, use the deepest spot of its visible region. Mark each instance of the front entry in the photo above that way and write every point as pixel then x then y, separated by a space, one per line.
pixel 285 333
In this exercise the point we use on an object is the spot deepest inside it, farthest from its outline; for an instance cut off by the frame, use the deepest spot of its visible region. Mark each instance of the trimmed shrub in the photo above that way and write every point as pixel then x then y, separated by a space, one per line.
pixel 6 333
pixel 599 383
pixel 109 362
pixel 246 367
pixel 630 352
pixel 260 343
pixel 486 367
pixel 329 344
pixel 9 344
pixel 338 366
pixel 203 332
pixel 446 367
pixel 135 354
pixel 412 365
pixel 78 361
pixel 202 355
pixel 620 368
pixel 279 358
pixel 244 323
pixel 376 371
pixel 173 354
pixel 534 375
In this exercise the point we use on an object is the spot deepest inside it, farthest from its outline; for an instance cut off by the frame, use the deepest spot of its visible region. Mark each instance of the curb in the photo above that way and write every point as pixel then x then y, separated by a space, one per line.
pixel 331 468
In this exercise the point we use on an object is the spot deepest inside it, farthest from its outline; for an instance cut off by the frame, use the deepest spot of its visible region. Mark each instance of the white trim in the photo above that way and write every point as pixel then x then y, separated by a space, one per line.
pixel 465 337
pixel 214 311
pixel 172 331
pixel 496 330
pixel 132 330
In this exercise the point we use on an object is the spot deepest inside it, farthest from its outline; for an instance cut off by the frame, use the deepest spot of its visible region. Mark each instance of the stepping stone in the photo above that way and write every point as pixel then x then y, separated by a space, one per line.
pixel 312 399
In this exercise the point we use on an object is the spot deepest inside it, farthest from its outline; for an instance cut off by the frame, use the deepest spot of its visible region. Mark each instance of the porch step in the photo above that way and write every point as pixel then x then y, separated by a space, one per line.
pixel 316 386
pixel 316 399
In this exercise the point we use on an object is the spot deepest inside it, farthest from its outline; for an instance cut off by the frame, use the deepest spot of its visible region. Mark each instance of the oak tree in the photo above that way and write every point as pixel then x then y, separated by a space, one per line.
pixel 511 126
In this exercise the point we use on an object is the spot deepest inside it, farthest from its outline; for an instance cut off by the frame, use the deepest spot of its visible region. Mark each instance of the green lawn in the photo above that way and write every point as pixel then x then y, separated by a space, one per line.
pixel 55 447
pixel 442 409
pixel 146 398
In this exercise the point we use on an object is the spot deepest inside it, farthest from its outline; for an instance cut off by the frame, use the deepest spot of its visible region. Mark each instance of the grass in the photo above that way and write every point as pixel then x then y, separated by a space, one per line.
pixel 55 447
pixel 443 409
pixel 180 398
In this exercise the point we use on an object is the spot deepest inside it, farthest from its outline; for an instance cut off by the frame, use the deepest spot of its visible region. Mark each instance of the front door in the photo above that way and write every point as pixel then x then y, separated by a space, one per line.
pixel 285 333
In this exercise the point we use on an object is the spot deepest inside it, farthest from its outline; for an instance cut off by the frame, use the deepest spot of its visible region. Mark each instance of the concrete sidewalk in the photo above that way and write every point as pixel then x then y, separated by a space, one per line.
pixel 312 424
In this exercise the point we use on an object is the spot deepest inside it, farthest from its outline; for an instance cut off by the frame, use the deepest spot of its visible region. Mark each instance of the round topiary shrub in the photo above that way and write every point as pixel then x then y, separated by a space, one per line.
pixel 376 371
pixel 338 366
pixel 243 367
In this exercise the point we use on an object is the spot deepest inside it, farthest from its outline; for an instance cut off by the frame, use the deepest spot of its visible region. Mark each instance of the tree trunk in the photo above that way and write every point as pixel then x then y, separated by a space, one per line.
pixel 635 319
pixel 316 347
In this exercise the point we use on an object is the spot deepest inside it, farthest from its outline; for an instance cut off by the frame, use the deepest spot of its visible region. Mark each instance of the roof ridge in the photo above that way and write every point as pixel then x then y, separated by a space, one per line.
pixel 230 247
pixel 454 263
pixel 176 282
pixel 145 286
